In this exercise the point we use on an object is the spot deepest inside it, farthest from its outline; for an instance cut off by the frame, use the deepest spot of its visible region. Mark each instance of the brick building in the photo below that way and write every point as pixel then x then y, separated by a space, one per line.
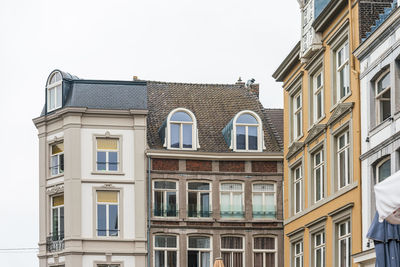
pixel 215 176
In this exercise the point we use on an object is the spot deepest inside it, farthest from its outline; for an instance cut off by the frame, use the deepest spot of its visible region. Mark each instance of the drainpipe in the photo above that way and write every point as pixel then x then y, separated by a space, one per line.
pixel 148 209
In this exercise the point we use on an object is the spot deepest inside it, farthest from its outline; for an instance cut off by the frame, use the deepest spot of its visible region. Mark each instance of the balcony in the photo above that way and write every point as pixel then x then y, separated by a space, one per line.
pixel 264 214
pixel 55 242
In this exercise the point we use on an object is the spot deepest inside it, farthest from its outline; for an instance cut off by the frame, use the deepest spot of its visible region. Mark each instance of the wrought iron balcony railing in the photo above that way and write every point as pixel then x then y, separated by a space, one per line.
pixel 264 214
pixel 165 213
pixel 232 214
pixel 55 242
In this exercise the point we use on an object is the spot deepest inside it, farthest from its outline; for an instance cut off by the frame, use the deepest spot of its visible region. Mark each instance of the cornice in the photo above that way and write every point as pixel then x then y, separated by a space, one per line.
pixel 287 63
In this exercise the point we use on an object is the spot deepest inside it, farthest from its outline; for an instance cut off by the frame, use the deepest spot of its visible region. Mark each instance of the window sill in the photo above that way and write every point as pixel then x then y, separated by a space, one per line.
pixel 55 176
pixel 376 129
pixel 166 219
pixel 340 101
pixel 107 173
pixel 108 237
pixel 193 219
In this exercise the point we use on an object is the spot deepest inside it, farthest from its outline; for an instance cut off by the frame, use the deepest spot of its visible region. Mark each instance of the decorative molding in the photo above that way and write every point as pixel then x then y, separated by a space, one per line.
pixel 55 189
pixel 294 149
pixel 339 112
pixel 315 132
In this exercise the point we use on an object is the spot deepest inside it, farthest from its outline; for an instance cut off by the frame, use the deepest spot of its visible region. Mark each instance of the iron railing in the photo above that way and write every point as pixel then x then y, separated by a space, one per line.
pixel 55 242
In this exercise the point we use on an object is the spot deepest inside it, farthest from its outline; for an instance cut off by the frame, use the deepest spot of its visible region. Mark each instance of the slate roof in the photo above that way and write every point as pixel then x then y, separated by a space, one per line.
pixel 214 105
pixel 103 94
pixel 275 118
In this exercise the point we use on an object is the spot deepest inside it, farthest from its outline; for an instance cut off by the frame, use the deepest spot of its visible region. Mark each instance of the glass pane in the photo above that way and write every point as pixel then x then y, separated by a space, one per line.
pixel 298 124
pixel 107 143
pixel 340 57
pixel 342 169
pixel 205 259
pixel 258 260
pixel 164 185
pixel 343 255
pixel 319 105
pixel 384 171
pixel 252 132
pixel 317 158
pixel 113 161
pixel 101 220
pixel 231 242
pixel 246 118
pixel 199 242
pixel 171 204
pixel 192 204
pixel 264 243
pixel 58 200
pixel 159 258
pixel 383 83
pixel 237 205
pixel 55 223
pixel 160 241
pixel 101 161
pixel 171 259
pixel 263 188
pixel 270 206
pixel 342 85
pixel 318 258
pixel 385 109
pixel 298 102
pixel 237 259
pixel 59 96
pixel 175 132
pixel 61 223
pixel 205 205
pixel 171 241
pixel 226 258
pixel 270 259
pixel 51 98
pixel 158 203
pixel 225 205
pixel 199 186
pixel 257 205
pixel 58 148
pixel 54 165
pixel 193 258
pixel 318 184
pixel 298 196
pixel 240 137
pixel 231 187
pixel 187 135
pixel 181 116
pixel 113 220
pixel 61 165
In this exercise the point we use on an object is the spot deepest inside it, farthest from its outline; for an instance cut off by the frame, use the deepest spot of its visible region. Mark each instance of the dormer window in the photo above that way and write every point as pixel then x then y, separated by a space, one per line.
pixel 54 91
pixel 181 130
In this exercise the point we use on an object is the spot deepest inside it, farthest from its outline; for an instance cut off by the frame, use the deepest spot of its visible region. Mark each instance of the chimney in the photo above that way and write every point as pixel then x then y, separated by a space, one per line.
pixel 239 81
pixel 255 89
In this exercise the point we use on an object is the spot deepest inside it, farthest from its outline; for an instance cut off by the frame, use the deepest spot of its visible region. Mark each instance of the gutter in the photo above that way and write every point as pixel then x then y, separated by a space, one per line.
pixel 148 209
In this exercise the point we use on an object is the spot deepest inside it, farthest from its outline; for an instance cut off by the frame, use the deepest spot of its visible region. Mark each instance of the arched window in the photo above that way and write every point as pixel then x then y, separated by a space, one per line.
pixel 182 130
pixel 54 91
pixel 248 132
pixel 382 169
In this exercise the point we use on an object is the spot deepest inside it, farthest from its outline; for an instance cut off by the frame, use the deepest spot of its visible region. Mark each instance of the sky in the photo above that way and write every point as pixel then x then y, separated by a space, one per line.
pixel 208 41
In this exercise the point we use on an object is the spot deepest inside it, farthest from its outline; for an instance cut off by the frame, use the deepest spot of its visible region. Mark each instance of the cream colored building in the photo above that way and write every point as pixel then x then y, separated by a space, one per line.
pixel 92 138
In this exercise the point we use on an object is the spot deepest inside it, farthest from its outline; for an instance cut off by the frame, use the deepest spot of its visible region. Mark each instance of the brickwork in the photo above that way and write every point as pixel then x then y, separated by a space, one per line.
pixel 198 165
pixel 165 164
pixel 369 12
pixel 231 166
pixel 264 166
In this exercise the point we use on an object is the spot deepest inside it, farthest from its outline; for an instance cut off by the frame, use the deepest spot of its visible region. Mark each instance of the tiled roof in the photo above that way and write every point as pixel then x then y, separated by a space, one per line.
pixel 274 116
pixel 214 105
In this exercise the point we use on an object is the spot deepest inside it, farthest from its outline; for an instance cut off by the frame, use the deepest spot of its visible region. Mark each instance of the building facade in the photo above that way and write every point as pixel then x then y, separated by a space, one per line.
pixel 215 176
pixel 92 173
pixel 379 56
pixel 322 170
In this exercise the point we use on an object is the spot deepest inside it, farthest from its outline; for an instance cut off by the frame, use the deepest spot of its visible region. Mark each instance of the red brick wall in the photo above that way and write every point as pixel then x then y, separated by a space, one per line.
pixel 231 166
pixel 198 165
pixel 263 166
pixel 165 164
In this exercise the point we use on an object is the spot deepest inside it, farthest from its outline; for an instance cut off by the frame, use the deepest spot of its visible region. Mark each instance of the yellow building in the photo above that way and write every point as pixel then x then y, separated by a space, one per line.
pixel 322 183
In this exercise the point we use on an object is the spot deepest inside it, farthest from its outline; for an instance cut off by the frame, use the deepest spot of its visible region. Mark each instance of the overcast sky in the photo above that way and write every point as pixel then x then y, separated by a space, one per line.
pixel 207 41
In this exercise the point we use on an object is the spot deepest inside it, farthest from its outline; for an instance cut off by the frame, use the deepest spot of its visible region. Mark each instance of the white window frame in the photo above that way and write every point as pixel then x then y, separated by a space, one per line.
pixel 59 216
pixel 165 190
pixel 266 251
pixel 108 216
pixel 299 255
pixel 319 247
pixel 181 123
pixel 297 111
pixel 297 181
pixel 320 166
pixel 198 194
pixel 165 249
pixel 378 165
pixel 107 151
pixel 345 149
pixel 264 195
pixel 54 86
pixel 231 193
pixel 379 97
pixel 58 155
pixel 260 133
pixel 233 250
pixel 346 238
pixel 316 91
pixel 210 249
pixel 343 66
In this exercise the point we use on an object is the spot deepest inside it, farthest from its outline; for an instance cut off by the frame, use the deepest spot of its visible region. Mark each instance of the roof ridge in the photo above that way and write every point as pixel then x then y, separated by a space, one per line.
pixel 198 84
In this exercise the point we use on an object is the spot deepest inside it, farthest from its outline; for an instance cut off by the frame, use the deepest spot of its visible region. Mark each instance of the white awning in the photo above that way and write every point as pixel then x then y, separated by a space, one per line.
pixel 387 194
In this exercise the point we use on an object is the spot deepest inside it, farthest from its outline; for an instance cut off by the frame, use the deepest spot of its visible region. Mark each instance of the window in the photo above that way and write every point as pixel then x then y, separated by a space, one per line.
pixel 264 201
pixel 318 173
pixel 264 252
pixel 382 97
pixel 165 202
pixel 344 244
pixel 107 213
pixel 319 249
pixel 232 200
pixel 383 169
pixel 247 132
pixel 298 254
pixel 343 159
pixel 297 116
pixel 342 71
pixel 298 190
pixel 57 159
pixel 199 251
pixel 318 86
pixel 182 130
pixel 232 251
pixel 54 92
pixel 107 154
pixel 57 215
pixel 165 251
pixel 199 199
